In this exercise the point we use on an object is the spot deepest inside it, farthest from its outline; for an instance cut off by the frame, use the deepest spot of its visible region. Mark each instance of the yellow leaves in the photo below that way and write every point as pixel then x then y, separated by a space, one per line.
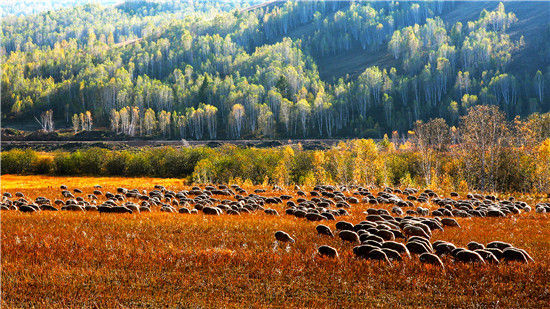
pixel 203 172
pixel 544 150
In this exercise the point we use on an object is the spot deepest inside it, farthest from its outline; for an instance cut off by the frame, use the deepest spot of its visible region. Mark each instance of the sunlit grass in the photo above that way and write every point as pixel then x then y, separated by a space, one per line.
pixel 66 259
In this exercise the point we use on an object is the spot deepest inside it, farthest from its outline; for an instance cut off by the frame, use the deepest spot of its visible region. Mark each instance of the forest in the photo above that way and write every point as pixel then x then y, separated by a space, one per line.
pixel 218 70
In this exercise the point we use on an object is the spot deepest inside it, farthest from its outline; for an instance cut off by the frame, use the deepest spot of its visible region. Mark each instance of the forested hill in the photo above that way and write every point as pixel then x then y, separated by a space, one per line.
pixel 208 69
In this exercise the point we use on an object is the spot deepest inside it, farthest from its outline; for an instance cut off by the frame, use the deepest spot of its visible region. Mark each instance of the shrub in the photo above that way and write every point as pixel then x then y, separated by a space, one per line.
pixel 17 161
pixel 43 165
pixel 116 162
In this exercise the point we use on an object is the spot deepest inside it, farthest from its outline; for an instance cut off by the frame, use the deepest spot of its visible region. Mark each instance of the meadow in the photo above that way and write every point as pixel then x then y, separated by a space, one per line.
pixel 161 259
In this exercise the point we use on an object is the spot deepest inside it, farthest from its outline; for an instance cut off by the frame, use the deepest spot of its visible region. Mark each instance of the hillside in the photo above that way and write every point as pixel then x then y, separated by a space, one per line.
pixel 533 20
pixel 245 70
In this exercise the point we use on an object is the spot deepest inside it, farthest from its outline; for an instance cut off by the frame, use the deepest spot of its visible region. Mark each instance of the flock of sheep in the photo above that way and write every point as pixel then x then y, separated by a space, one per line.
pixel 375 238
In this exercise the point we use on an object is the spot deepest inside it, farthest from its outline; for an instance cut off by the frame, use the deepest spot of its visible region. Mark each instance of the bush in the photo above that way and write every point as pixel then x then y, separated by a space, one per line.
pixel 138 165
pixel 67 164
pixel 116 162
pixel 43 165
pixel 17 161
pixel 92 161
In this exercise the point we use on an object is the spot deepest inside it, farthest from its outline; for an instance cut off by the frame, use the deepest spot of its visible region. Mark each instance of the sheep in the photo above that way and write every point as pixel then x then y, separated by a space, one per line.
pixel 283 237
pixel 396 246
pixel 422 240
pixel 411 230
pixel 499 245
pixel 26 208
pixel 472 245
pixel 271 211
pixel 488 256
pixel 343 225
pixel 417 247
pixel 47 207
pixel 443 248
pixel 211 211
pixel 362 250
pixel 378 255
pixel 327 251
pixel 184 210
pixel 372 243
pixel 311 216
pixel 385 234
pixel 432 259
pixel 367 236
pixel 513 254
pixel 449 222
pixel 349 236
pixel 73 207
pixel 324 230
pixel 468 256
pixel 392 254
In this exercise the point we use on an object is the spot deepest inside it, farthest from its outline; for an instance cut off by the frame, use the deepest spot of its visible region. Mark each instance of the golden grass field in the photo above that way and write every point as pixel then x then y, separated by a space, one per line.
pixel 87 259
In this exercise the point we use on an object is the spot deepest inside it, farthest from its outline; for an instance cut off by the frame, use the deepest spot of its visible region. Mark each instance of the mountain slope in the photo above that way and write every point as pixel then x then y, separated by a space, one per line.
pixel 533 20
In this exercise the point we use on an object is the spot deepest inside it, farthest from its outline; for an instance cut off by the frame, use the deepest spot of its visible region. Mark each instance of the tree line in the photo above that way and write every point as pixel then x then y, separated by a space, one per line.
pixel 485 152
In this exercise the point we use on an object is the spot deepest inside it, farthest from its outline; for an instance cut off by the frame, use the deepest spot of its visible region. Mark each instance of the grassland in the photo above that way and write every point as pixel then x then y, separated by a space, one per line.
pixel 87 259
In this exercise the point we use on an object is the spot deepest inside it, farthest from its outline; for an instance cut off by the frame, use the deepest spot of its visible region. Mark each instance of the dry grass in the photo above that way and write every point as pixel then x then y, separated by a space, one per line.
pixel 65 259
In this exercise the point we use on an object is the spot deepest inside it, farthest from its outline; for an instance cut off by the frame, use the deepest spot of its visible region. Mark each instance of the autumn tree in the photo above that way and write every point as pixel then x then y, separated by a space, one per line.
pixel 484 131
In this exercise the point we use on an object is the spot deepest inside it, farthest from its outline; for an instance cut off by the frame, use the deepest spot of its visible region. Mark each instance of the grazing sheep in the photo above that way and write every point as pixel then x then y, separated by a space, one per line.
pixel 411 230
pixel 488 256
pixel 167 208
pixel 378 255
pixel 385 234
pixel 472 245
pixel 372 243
pixel 362 250
pixel 26 208
pixel 443 248
pixel 349 236
pixel 233 212
pixel 324 230
pixel 417 247
pixel 283 237
pixel 468 256
pixel 327 251
pixel 47 207
pixel 367 236
pixel 392 254
pixel 396 246
pixel 328 216
pixel 432 259
pixel 73 207
pixel 343 225
pixel 449 222
pixel 211 211
pixel 422 240
pixel 311 216
pixel 511 254
pixel 271 211
pixel 499 245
